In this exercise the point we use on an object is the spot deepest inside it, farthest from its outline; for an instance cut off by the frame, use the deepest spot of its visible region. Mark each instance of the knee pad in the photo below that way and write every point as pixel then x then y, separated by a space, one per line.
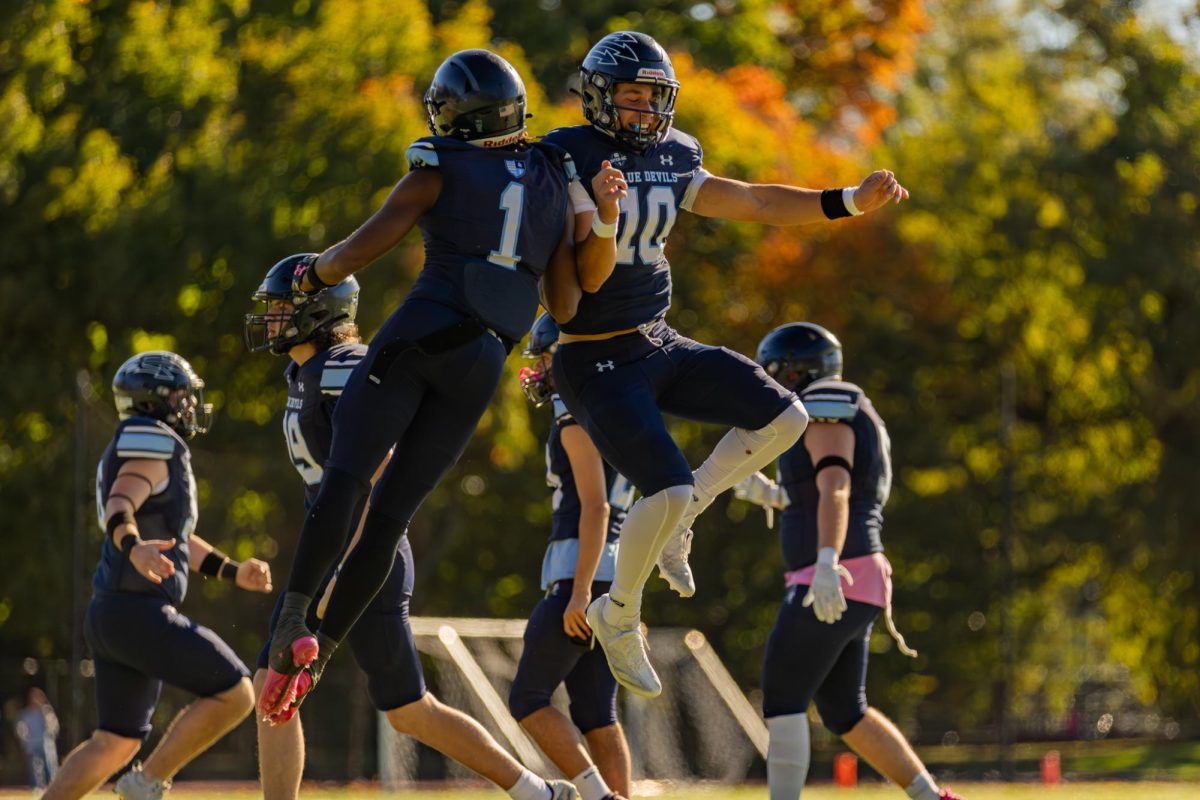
pixel 787 427
pixel 842 717
pixel 594 715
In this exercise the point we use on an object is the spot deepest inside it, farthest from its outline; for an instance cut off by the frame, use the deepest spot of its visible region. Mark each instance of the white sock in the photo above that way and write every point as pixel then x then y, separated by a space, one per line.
pixel 529 787
pixel 645 530
pixel 923 787
pixel 788 753
pixel 591 784
pixel 742 452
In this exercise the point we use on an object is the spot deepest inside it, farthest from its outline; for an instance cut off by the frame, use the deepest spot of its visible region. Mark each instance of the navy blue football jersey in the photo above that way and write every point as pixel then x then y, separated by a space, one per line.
pixel 313 390
pixel 491 233
pixel 831 400
pixel 559 563
pixel 169 512
pixel 661 181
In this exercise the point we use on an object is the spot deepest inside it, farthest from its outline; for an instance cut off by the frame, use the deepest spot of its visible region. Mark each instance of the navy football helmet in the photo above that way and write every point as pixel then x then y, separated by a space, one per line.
pixel 311 314
pixel 799 353
pixel 162 385
pixel 536 382
pixel 477 96
pixel 628 57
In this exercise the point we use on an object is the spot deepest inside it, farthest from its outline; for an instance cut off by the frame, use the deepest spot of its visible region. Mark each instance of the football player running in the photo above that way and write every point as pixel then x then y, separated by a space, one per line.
pixel 146 503
pixel 589 504
pixel 832 487
pixel 496 219
pixel 620 367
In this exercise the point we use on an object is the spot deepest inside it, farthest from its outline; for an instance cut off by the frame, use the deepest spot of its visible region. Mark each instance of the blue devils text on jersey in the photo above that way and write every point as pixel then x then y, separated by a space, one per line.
pixel 661 181
pixel 490 235
pixel 169 512
pixel 832 400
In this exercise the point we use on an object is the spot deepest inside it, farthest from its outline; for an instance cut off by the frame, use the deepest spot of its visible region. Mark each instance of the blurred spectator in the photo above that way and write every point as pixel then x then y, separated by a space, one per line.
pixel 37 729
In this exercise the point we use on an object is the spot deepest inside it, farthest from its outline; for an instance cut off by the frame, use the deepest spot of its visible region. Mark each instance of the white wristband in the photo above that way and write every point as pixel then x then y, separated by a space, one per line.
pixel 848 200
pixel 603 230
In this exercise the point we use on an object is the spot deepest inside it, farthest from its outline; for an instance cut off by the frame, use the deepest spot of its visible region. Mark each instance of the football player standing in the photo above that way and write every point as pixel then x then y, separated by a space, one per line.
pixel 589 504
pixel 832 487
pixel 146 503
pixel 620 367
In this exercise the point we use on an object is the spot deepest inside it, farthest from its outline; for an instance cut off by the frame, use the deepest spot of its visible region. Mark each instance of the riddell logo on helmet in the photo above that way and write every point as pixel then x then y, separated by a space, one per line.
pixel 647 72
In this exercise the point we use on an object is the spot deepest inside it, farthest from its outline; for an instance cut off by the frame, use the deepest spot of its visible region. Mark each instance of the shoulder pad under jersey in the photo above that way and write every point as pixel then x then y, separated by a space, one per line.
pixel 837 402
pixel 420 154
pixel 340 362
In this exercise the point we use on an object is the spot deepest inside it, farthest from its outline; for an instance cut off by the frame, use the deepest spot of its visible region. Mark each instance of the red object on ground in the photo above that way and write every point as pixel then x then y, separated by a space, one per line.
pixel 1051 768
pixel 845 770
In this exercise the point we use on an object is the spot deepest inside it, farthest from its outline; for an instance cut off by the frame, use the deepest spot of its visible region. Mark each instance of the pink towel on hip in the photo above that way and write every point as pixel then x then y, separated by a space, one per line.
pixel 872 579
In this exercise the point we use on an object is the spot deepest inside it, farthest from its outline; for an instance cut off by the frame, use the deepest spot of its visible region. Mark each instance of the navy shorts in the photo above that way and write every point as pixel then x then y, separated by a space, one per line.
pixel 551 657
pixel 139 642
pixel 809 660
pixel 618 389
pixel 382 640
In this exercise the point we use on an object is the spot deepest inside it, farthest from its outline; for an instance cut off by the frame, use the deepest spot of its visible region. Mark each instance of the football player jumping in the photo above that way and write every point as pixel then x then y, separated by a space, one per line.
pixel 832 487
pixel 146 502
pixel 620 367
pixel 589 504
pixel 496 219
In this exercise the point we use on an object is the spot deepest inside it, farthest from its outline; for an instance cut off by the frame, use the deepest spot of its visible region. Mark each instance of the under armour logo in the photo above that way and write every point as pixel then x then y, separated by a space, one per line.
pixel 602 366
pixel 668 161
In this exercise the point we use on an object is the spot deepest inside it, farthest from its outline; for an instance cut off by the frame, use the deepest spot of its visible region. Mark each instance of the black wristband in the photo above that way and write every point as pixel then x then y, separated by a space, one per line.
pixel 833 204
pixel 832 461
pixel 211 565
pixel 229 569
pixel 310 272
pixel 119 518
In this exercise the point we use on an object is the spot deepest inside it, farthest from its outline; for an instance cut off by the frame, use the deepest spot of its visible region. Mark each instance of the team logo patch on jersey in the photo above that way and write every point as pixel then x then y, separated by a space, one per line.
pixel 515 168
pixel 616 159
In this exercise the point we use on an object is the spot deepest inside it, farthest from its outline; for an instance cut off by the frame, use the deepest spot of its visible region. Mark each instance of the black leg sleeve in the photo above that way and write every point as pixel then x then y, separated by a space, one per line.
pixel 364 573
pixel 326 530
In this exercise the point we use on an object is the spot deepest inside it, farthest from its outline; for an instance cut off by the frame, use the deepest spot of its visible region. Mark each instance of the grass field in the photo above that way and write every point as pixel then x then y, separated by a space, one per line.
pixel 1144 790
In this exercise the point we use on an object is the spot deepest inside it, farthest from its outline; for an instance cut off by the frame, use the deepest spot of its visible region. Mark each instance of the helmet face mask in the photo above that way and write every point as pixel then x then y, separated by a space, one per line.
pixel 478 97
pixel 286 319
pixel 623 58
pixel 162 385
pixel 536 382
pixel 799 353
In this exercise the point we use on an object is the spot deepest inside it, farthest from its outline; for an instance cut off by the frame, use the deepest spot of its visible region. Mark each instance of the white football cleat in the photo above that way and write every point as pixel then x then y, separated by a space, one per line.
pixel 673 561
pixel 134 785
pixel 562 790
pixel 625 648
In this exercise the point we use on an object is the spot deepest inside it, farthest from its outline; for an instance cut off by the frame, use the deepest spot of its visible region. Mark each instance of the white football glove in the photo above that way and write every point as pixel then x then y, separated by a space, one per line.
pixel 762 491
pixel 825 593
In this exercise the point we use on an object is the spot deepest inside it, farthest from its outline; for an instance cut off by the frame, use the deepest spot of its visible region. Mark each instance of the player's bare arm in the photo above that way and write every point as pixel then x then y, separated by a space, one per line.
pixel 134 484
pixel 833 441
pixel 252 574
pixel 596 231
pixel 777 204
pixel 411 198
pixel 588 468
pixel 560 283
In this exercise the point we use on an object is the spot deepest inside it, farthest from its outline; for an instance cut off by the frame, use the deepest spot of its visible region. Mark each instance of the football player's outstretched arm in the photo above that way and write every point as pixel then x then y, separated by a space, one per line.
pixel 830 440
pixel 252 575
pixel 135 481
pixel 596 230
pixel 411 198
pixel 776 204
pixel 560 283
pixel 588 468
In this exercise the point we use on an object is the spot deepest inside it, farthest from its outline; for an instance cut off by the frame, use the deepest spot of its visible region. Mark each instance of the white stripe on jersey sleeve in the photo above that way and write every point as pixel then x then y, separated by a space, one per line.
pixel 138 441
pixel 693 189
